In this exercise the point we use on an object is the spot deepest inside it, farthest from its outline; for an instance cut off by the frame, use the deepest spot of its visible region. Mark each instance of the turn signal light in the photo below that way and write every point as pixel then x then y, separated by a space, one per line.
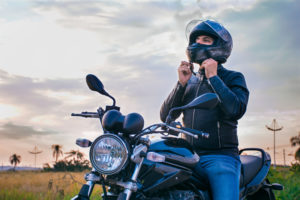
pixel 155 157
pixel 82 142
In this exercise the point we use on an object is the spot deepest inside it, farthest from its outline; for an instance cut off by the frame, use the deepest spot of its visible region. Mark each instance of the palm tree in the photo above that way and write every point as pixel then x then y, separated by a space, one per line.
pixel 57 151
pixel 296 141
pixel 75 154
pixel 297 154
pixel 14 160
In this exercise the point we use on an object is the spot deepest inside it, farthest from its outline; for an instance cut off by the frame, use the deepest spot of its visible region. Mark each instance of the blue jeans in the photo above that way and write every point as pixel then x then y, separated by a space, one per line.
pixel 223 175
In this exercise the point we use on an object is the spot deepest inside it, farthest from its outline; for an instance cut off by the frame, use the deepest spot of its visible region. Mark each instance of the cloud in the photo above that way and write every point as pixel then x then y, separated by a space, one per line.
pixel 29 92
pixel 46 103
pixel 73 8
pixel 19 132
pixel 135 47
pixel 112 20
pixel 266 51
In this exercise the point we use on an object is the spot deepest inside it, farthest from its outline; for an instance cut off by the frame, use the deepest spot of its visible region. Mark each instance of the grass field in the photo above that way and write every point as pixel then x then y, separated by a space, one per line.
pixel 289 179
pixel 60 185
pixel 42 185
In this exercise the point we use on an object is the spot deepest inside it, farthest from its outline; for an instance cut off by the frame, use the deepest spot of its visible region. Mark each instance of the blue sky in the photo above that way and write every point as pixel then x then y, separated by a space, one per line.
pixel 135 47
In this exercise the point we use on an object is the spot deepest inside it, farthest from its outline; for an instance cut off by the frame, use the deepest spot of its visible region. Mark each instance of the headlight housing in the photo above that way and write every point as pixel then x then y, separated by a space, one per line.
pixel 109 154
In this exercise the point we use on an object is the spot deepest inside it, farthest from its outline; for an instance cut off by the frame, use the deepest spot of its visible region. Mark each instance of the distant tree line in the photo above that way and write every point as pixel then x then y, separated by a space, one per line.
pixel 73 161
pixel 295 141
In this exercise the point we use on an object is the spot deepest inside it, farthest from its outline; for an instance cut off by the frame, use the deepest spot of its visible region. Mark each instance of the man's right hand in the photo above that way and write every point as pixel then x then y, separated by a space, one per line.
pixel 184 73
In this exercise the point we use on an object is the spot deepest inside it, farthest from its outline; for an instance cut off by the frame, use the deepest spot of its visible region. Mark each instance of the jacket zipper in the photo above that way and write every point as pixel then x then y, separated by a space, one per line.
pixel 218 123
pixel 214 90
pixel 219 138
pixel 201 79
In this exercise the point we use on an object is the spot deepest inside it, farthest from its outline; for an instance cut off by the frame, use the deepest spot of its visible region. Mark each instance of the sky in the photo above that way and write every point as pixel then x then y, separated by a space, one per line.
pixel 135 47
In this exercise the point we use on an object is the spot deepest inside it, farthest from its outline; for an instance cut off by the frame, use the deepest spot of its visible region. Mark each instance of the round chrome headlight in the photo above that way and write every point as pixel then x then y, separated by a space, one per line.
pixel 108 154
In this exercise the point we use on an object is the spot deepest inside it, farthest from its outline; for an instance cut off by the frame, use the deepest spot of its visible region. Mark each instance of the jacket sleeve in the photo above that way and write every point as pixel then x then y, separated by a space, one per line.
pixel 233 96
pixel 174 99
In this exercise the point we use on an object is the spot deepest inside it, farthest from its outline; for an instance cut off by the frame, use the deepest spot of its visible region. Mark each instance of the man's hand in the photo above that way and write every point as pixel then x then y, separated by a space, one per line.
pixel 210 66
pixel 184 73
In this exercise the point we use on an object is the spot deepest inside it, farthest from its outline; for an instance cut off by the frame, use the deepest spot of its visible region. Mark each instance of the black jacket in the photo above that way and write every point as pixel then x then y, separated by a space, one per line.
pixel 220 122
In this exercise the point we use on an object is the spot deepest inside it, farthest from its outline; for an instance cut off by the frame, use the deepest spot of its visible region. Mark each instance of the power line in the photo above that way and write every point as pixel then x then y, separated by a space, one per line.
pixel 274 127
pixel 35 152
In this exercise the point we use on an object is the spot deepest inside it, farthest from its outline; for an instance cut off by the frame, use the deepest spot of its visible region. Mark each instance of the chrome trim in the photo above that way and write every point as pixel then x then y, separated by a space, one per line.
pixel 91 185
pixel 91 177
pixel 135 157
pixel 127 185
pixel 128 191
pixel 131 186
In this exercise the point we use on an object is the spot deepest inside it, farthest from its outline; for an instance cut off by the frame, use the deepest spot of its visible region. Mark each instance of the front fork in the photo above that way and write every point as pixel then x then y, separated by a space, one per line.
pixel 87 189
pixel 92 178
pixel 137 157
pixel 132 184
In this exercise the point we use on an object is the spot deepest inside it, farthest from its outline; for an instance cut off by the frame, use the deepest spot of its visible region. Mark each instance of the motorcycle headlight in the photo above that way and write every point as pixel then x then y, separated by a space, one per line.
pixel 108 154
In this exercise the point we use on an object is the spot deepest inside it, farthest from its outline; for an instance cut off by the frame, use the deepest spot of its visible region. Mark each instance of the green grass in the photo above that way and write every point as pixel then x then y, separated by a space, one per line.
pixel 42 185
pixel 289 179
pixel 61 185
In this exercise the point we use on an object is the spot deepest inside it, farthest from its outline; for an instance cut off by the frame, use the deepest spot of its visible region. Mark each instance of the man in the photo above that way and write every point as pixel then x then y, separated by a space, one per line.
pixel 210 45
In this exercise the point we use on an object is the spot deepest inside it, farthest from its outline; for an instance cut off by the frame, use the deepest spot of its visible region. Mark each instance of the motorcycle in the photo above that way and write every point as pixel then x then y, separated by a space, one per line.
pixel 129 165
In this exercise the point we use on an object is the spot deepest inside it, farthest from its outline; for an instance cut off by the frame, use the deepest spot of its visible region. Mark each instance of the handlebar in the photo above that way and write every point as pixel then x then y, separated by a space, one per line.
pixel 86 114
pixel 196 132
pixel 177 128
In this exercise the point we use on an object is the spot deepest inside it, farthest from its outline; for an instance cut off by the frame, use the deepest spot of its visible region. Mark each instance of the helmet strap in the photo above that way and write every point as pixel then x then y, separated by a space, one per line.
pixel 192 68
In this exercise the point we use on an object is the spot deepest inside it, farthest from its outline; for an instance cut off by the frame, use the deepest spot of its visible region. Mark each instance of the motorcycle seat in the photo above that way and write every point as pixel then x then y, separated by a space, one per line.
pixel 250 167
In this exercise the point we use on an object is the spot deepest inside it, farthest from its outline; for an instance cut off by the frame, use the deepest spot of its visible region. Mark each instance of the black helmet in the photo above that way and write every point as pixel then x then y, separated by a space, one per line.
pixel 220 49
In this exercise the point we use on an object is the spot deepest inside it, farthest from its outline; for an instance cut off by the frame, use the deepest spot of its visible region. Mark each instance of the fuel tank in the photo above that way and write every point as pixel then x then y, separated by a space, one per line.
pixel 176 150
pixel 175 171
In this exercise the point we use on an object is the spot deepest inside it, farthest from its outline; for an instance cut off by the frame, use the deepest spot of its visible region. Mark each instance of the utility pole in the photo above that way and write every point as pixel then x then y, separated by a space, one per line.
pixel 274 127
pixel 35 152
pixel 284 157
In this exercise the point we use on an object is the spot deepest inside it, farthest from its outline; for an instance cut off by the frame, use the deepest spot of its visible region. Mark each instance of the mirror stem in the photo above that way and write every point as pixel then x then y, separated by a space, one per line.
pixel 114 101
pixel 169 117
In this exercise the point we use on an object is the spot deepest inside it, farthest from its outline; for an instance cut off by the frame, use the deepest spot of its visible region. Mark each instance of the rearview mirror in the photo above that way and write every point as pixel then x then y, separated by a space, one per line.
pixel 96 85
pixel 205 101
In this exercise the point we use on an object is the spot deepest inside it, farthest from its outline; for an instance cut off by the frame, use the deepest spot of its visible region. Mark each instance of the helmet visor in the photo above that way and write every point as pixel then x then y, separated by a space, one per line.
pixel 218 29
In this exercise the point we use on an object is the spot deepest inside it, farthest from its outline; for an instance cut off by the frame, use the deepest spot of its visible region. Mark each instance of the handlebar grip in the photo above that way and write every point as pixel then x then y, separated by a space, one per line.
pixel 196 132
pixel 86 115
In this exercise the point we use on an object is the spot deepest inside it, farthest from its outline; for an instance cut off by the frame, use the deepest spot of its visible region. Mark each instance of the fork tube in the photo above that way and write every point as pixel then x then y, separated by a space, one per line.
pixel 134 176
pixel 137 170
pixel 91 185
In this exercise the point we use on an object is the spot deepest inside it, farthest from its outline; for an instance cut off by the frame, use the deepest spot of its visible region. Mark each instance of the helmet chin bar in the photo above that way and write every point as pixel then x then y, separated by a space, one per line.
pixel 220 50
pixel 198 53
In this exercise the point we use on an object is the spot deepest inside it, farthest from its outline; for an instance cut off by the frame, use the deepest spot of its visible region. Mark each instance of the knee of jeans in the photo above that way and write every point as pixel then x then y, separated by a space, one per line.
pixel 226 168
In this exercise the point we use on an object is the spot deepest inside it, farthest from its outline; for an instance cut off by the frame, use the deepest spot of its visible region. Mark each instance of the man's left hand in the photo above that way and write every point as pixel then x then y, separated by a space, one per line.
pixel 210 66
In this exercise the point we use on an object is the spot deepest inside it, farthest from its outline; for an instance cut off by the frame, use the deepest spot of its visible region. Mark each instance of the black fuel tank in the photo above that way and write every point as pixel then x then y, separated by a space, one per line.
pixel 176 150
